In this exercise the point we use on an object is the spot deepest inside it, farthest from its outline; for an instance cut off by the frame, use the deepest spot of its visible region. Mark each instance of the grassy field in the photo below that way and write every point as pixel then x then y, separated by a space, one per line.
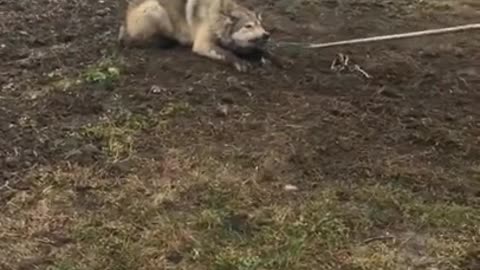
pixel 159 159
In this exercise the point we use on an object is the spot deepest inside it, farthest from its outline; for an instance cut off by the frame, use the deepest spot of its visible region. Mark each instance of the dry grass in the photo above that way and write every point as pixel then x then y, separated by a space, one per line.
pixel 201 213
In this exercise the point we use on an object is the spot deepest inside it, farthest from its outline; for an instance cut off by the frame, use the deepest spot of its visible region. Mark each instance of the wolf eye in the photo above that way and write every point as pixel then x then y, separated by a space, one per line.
pixel 248 26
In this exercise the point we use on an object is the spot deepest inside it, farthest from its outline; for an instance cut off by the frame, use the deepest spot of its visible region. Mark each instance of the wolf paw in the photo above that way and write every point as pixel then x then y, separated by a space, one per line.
pixel 241 65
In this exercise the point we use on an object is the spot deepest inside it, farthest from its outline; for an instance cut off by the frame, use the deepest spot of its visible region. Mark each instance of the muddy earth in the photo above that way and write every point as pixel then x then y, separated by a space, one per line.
pixel 103 150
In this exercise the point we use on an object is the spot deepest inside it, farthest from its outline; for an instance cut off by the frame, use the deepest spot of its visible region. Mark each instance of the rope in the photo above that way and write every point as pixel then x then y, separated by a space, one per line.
pixel 386 37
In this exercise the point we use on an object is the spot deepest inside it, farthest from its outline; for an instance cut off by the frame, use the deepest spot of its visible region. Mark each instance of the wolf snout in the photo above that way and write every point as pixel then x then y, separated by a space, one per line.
pixel 266 35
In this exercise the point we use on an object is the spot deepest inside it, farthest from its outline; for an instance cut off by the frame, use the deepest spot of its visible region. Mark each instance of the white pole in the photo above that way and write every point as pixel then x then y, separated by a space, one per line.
pixel 396 36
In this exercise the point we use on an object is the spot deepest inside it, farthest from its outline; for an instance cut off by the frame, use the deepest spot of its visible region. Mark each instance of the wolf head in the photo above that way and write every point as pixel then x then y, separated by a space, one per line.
pixel 244 30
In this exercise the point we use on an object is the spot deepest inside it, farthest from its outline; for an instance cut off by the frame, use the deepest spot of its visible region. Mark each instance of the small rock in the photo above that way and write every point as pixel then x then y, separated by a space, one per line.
pixel 237 222
pixel 222 110
pixel 114 71
pixel 122 167
pixel 174 257
pixel 34 94
pixel 227 99
pixel 190 90
pixel 450 117
pixel 157 89
pixel 263 60
pixel 103 12
pixel 54 239
pixel 11 160
pixel 34 262
pixel 389 93
pixel 91 149
pixel 85 154
pixel 290 188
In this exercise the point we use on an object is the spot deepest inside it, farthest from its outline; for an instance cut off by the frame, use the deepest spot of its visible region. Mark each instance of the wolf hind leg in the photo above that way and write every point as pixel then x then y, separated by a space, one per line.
pixel 146 25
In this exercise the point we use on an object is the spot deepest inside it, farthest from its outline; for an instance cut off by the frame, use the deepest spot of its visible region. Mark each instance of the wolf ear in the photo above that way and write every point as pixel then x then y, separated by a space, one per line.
pixel 236 14
pixel 259 15
pixel 228 18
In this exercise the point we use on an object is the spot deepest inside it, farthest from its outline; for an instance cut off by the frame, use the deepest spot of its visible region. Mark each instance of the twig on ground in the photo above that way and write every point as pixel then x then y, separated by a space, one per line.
pixel 363 72
pixel 378 238
pixel 5 185
pixel 342 62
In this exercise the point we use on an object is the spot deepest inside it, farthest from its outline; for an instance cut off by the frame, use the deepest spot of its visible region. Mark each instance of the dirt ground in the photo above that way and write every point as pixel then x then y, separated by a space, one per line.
pixel 159 159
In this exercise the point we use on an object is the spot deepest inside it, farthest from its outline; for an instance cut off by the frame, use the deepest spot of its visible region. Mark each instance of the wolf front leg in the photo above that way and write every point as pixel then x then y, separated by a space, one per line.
pixel 219 54
pixel 275 59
